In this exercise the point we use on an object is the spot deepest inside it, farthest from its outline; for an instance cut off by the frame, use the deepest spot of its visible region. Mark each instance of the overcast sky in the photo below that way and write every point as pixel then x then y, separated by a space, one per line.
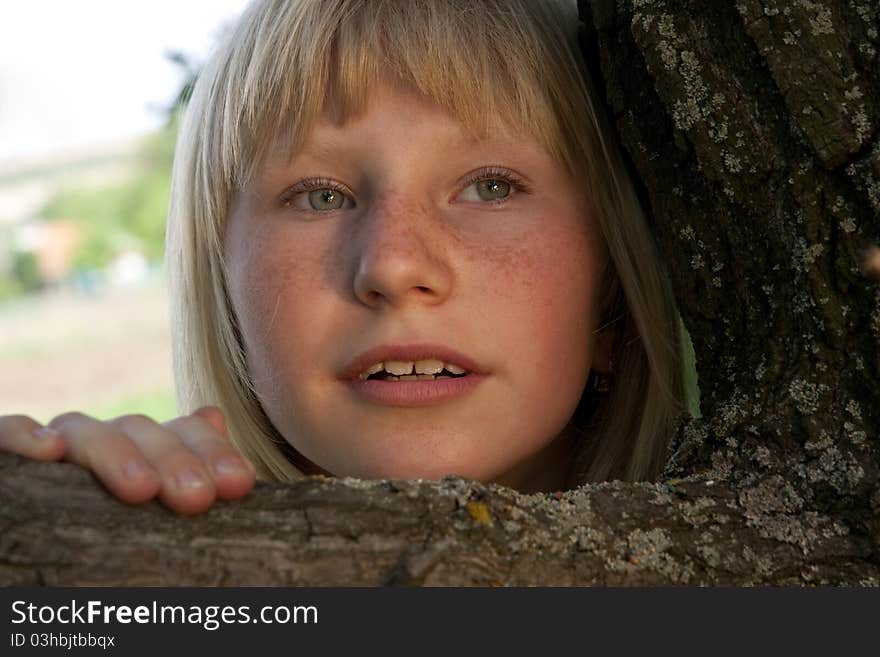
pixel 79 72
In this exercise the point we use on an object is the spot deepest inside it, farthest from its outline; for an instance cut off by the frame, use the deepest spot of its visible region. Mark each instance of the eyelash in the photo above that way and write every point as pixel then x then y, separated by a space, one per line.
pixel 311 185
pixel 504 174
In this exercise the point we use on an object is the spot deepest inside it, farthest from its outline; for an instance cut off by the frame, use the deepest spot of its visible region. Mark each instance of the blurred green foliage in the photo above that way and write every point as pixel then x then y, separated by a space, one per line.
pixel 24 276
pixel 26 272
pixel 127 215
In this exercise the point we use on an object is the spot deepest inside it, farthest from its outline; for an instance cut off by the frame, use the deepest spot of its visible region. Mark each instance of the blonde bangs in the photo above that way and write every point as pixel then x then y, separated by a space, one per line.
pixel 288 64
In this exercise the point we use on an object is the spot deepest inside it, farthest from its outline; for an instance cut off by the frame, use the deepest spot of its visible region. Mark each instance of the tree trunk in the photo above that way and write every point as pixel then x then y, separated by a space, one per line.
pixel 753 131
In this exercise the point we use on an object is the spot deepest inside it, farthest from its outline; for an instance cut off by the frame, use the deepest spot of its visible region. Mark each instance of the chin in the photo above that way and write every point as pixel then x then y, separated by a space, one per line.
pixel 418 470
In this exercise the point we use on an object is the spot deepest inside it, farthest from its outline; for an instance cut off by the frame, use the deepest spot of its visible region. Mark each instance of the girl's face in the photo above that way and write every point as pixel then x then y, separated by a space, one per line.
pixel 397 229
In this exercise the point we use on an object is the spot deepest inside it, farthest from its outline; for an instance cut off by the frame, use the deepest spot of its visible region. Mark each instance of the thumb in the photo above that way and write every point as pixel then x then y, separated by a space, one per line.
pixel 213 416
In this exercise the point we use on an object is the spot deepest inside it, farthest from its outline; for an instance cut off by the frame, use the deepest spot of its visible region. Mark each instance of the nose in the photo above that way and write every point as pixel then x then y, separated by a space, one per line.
pixel 400 255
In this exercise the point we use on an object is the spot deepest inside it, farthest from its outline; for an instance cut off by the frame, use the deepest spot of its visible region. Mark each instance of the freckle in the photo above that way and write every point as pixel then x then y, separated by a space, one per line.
pixel 513 265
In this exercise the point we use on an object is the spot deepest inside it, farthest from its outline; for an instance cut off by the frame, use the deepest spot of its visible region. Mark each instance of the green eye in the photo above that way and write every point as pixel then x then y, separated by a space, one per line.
pixel 491 190
pixel 326 199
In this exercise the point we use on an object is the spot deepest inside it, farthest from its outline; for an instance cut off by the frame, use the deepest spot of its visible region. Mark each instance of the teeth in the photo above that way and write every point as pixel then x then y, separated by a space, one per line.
pixel 430 366
pixel 409 368
pixel 398 367
pixel 372 369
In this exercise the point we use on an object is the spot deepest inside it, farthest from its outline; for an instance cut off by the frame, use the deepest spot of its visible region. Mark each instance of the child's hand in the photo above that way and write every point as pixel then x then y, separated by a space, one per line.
pixel 188 462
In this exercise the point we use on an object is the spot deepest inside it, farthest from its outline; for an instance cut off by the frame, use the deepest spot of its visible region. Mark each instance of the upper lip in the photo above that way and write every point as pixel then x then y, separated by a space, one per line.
pixel 408 353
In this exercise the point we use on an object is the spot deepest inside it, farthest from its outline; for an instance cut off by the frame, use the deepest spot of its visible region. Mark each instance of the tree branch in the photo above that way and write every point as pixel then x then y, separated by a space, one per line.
pixel 60 528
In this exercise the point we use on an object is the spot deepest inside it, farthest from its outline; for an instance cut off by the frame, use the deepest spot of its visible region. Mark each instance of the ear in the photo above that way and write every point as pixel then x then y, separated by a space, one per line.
pixel 603 350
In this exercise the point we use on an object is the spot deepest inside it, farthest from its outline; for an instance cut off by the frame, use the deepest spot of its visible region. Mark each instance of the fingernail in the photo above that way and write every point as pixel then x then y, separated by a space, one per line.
pixel 190 479
pixel 45 433
pixel 135 469
pixel 231 465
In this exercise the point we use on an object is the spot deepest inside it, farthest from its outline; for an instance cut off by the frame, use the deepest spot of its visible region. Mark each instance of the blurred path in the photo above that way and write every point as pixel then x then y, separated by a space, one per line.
pixel 65 351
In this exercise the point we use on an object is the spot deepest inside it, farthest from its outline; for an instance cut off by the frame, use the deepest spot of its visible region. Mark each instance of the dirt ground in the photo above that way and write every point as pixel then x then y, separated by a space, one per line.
pixel 70 351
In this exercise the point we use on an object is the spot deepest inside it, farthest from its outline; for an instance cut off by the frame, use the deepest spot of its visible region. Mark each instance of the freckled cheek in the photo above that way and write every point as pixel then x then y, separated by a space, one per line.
pixel 552 291
pixel 269 285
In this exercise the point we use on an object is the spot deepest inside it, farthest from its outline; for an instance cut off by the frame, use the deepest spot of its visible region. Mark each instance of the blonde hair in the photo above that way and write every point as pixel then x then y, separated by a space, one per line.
pixel 514 61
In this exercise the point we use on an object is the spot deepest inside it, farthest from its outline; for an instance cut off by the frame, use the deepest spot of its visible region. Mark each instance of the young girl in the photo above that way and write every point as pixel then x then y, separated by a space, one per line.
pixel 401 244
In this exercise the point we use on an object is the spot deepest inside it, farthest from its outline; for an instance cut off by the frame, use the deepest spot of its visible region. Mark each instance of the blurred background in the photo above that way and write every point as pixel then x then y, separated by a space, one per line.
pixel 90 94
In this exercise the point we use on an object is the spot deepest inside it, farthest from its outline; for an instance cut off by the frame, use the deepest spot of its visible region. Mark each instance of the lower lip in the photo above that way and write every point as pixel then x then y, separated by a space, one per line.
pixel 415 393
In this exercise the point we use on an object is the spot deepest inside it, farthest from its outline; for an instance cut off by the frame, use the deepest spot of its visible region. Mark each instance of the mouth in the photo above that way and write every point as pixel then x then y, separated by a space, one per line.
pixel 413 362
pixel 412 375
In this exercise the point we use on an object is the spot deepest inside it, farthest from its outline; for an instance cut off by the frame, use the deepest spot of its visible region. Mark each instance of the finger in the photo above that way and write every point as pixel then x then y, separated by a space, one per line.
pixel 187 487
pixel 233 473
pixel 25 436
pixel 213 416
pixel 110 454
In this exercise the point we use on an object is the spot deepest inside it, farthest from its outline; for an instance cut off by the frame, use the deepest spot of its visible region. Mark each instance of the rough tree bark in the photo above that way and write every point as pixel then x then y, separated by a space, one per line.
pixel 753 128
